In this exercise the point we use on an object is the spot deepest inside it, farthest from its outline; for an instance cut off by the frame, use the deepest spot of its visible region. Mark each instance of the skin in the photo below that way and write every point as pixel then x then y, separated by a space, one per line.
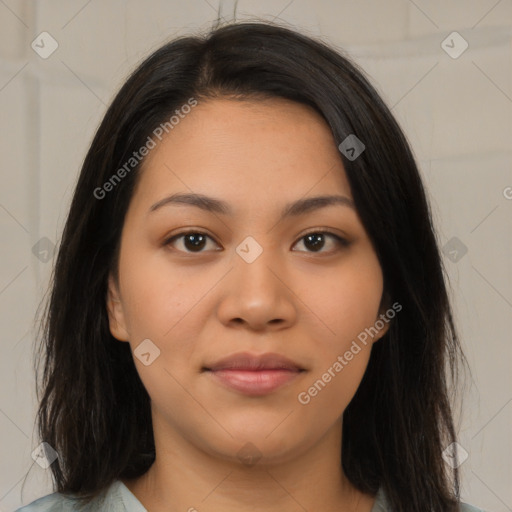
pixel 198 307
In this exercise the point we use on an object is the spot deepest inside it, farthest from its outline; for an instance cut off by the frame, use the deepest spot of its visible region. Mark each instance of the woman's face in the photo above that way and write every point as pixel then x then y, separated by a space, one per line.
pixel 254 283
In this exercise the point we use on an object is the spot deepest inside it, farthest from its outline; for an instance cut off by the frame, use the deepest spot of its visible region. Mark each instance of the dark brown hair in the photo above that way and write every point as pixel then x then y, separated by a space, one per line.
pixel 94 410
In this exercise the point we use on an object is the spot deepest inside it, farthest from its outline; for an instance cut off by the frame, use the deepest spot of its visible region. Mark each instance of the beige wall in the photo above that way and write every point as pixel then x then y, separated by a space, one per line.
pixel 457 113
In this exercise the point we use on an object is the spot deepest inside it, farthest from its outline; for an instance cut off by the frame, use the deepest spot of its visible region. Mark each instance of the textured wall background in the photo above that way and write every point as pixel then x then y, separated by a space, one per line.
pixel 454 103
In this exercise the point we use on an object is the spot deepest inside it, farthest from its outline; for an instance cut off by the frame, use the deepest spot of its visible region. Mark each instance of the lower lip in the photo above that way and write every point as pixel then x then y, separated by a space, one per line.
pixel 255 382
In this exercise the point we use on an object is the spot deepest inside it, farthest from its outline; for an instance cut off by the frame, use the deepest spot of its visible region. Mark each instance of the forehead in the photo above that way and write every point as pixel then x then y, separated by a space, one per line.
pixel 258 150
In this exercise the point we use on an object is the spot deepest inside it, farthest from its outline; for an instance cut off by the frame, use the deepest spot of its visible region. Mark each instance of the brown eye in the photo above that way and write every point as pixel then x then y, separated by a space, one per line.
pixel 191 241
pixel 315 241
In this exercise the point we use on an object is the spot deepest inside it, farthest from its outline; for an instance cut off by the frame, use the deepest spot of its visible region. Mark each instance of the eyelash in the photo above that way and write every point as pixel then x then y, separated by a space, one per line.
pixel 340 240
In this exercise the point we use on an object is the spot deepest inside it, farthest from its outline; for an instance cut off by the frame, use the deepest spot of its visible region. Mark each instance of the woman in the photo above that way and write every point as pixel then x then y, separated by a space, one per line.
pixel 249 308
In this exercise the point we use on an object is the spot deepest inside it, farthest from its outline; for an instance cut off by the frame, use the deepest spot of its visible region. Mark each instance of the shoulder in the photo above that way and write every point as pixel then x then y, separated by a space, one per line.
pixel 382 505
pixel 57 502
pixel 465 507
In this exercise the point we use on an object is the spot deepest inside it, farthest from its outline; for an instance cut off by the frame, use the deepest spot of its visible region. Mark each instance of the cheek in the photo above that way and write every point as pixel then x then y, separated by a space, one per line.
pixel 348 307
pixel 332 389
pixel 336 377
pixel 170 310
pixel 155 298
pixel 348 303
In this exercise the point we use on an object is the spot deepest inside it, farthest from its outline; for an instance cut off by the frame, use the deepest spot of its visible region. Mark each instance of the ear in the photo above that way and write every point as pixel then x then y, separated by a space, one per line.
pixel 115 311
pixel 385 304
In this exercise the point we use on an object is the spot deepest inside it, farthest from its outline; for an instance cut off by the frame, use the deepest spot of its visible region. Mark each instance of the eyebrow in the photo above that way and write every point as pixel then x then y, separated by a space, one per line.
pixel 294 209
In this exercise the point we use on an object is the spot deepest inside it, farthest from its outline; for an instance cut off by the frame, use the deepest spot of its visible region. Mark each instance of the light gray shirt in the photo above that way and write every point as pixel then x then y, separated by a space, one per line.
pixel 118 498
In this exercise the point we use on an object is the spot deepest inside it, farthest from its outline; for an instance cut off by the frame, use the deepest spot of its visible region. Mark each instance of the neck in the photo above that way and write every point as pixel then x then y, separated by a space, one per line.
pixel 183 477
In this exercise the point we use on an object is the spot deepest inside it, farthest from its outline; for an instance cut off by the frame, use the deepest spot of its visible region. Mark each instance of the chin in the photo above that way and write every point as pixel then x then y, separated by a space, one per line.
pixel 267 445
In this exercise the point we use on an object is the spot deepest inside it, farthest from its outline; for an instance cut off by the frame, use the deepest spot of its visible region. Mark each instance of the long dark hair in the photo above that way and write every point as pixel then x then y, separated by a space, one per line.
pixel 94 410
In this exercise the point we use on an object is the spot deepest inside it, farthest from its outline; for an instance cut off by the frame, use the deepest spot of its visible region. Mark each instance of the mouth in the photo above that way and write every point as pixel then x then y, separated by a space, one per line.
pixel 254 375
pixel 254 382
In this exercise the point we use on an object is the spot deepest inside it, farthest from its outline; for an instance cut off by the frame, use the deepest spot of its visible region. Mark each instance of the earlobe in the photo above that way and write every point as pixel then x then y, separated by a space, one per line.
pixel 383 330
pixel 383 318
pixel 115 312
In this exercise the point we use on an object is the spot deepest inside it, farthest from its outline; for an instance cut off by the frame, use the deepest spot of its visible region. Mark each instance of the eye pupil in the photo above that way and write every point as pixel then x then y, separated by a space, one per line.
pixel 197 241
pixel 316 239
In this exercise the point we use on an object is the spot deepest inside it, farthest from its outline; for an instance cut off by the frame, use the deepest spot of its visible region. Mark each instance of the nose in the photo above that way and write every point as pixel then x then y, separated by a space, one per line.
pixel 258 295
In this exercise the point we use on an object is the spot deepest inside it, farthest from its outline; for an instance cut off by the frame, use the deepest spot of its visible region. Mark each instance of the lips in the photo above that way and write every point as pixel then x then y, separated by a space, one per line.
pixel 246 361
pixel 254 375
